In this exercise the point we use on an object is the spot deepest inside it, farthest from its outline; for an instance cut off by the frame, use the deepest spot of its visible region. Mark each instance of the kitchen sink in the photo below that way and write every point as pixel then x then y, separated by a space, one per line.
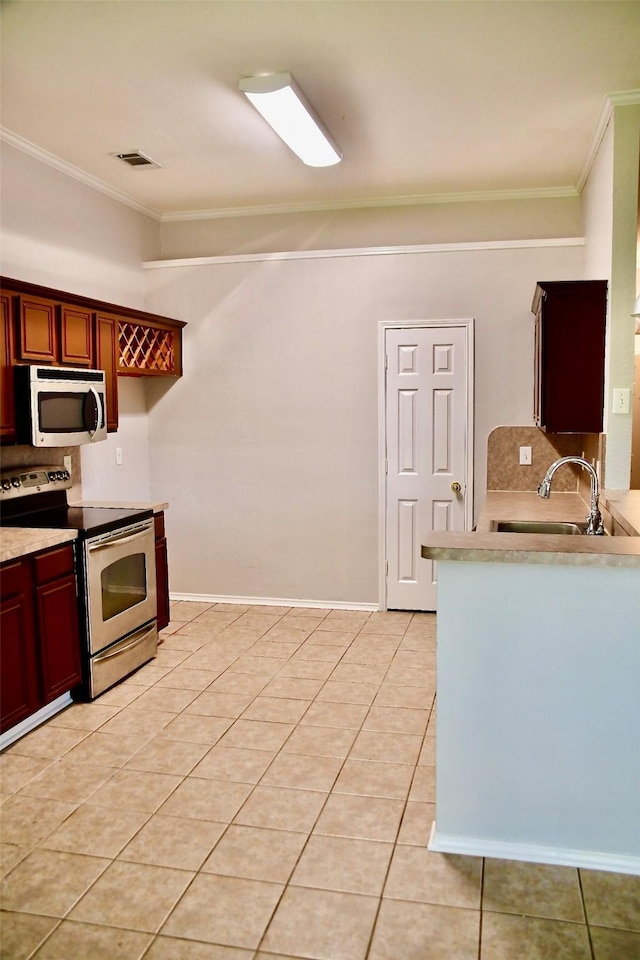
pixel 538 526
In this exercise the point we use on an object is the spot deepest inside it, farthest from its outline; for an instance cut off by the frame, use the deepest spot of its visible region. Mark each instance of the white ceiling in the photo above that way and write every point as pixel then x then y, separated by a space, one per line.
pixel 424 97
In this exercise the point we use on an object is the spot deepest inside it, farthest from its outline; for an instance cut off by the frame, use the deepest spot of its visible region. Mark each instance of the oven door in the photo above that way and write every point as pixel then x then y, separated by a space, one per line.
pixel 120 569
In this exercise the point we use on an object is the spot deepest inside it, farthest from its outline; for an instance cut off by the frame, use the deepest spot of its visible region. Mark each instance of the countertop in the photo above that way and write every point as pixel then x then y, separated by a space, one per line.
pixel 485 546
pixel 20 541
pixel 124 504
pixel 17 542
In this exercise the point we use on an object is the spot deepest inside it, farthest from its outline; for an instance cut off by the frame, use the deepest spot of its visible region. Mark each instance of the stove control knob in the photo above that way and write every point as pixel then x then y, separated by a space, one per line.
pixel 6 484
pixel 51 475
pixel 64 475
pixel 15 481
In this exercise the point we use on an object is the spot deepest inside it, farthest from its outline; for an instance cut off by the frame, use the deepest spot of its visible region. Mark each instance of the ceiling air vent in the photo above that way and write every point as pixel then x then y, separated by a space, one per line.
pixel 136 159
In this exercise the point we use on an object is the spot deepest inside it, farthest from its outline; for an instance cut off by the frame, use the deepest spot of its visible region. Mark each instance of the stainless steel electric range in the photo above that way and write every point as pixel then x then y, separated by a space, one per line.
pixel 115 569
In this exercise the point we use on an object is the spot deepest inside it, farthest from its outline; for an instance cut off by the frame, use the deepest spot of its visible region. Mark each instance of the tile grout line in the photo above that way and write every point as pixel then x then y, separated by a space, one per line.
pixel 183 777
pixel 586 915
pixel 482 869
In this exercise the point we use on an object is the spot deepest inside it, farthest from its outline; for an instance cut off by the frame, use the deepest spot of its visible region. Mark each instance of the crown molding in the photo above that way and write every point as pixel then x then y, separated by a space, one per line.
pixel 477 196
pixel 610 101
pixel 625 98
pixel 26 146
pixel 366 252
pixel 220 213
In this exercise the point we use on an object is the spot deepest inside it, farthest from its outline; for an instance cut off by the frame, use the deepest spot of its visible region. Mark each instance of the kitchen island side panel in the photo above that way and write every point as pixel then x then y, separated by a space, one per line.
pixel 539 713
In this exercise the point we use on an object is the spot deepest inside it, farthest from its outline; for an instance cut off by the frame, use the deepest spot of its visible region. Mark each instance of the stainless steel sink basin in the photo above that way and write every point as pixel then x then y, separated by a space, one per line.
pixel 538 526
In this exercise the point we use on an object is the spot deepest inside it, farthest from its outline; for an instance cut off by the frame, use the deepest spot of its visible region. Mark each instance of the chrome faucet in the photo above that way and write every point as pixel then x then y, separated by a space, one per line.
pixel 594 518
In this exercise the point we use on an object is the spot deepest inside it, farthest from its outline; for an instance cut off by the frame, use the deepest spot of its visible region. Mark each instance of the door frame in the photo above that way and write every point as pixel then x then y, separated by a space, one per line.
pixel 384 325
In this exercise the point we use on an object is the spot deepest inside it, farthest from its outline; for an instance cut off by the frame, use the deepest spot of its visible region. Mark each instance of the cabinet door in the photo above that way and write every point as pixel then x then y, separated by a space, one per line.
pixel 7 408
pixel 162 583
pixel 19 693
pixel 76 336
pixel 570 352
pixel 37 330
pixel 106 332
pixel 59 637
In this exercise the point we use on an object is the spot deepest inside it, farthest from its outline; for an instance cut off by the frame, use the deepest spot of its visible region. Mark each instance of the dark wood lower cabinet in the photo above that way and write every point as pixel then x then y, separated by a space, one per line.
pixel 59 638
pixel 39 633
pixel 162 572
pixel 19 687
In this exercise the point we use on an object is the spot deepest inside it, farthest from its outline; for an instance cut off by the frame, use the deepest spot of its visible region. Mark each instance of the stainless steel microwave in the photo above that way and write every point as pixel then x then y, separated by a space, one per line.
pixel 60 406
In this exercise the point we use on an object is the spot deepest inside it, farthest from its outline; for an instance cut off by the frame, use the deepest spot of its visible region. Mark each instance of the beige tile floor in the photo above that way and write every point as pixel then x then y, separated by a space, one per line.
pixel 264 789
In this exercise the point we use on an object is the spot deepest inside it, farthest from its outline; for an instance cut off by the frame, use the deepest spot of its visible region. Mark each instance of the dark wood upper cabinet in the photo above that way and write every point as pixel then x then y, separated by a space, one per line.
pixel 37 340
pixel 40 325
pixel 51 332
pixel 106 334
pixel 76 336
pixel 7 407
pixel 570 329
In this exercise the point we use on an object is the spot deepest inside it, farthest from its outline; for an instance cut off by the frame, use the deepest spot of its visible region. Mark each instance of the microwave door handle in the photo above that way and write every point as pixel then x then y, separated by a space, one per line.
pixel 96 397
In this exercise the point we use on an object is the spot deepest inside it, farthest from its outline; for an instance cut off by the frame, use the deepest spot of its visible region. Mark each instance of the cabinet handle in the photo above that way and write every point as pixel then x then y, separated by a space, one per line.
pixel 456 487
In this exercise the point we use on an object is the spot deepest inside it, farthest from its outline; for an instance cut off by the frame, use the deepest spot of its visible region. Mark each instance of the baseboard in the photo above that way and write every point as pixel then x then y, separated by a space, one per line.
pixel 25 726
pixel 278 602
pixel 531 852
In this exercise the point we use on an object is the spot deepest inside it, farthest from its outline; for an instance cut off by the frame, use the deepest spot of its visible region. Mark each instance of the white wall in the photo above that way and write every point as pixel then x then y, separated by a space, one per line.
pixel 538 714
pixel 610 204
pixel 597 211
pixel 373 227
pixel 267 448
pixel 102 478
pixel 63 234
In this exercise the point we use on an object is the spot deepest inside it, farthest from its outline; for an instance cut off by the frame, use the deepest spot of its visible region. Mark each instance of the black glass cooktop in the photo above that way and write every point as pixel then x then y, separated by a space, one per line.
pixel 48 511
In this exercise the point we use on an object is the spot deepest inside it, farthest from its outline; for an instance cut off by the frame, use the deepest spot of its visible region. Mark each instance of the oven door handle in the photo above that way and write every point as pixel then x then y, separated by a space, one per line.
pixel 126 538
pixel 140 635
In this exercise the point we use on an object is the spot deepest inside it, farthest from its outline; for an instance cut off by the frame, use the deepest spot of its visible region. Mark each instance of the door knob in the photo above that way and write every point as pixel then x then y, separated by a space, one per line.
pixel 456 487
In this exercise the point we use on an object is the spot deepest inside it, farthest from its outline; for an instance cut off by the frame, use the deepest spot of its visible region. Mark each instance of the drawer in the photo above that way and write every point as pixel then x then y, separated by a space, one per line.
pixel 54 563
pixel 158 520
pixel 15 578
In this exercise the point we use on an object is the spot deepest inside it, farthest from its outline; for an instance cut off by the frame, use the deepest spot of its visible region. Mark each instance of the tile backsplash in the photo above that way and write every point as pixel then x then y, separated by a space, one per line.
pixel 504 471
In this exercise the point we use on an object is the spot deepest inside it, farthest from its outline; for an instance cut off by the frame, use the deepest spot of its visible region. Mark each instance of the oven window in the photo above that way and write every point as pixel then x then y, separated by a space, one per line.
pixel 124 583
pixel 61 412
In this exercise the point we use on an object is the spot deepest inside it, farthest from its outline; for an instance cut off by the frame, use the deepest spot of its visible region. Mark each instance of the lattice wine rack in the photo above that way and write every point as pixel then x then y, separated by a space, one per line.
pixel 146 349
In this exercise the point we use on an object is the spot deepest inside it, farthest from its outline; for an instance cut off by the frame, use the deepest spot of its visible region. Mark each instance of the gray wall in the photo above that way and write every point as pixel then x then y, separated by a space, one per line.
pixel 61 233
pixel 267 448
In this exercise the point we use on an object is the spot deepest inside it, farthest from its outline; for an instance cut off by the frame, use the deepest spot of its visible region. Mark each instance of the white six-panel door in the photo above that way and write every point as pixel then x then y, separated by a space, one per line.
pixel 427 440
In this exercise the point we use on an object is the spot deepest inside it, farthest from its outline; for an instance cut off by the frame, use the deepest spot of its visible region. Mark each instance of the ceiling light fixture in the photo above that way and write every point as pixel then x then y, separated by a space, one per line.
pixel 282 104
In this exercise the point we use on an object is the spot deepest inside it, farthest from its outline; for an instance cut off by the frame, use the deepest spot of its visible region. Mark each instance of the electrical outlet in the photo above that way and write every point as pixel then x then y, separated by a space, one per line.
pixel 118 456
pixel 621 400
pixel 525 456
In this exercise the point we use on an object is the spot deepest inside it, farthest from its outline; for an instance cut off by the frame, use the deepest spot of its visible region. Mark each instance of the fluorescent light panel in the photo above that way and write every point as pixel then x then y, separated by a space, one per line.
pixel 282 104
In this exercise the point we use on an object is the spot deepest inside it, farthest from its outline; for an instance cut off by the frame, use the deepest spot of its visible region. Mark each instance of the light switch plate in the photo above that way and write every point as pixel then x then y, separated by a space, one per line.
pixel 621 400
pixel 525 456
